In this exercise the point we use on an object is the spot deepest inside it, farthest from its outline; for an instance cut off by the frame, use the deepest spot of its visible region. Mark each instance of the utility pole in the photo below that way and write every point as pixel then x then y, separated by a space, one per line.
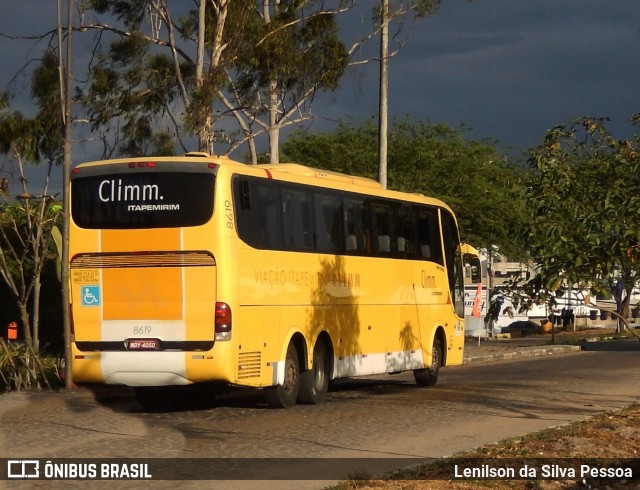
pixel 384 91
pixel 65 92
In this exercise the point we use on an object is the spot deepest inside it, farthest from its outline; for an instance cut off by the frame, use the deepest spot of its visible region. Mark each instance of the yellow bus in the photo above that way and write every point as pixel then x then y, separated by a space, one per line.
pixel 198 269
pixel 475 291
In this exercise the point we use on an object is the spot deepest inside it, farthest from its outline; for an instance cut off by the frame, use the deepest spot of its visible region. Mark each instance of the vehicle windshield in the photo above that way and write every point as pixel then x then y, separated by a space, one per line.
pixel 142 200
pixel 472 269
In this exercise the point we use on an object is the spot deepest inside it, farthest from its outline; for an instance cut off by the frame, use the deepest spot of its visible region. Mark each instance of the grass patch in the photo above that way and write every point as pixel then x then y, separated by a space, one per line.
pixel 22 369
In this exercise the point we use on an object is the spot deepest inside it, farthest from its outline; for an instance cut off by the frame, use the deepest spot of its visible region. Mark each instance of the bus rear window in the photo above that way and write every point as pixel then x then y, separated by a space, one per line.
pixel 142 200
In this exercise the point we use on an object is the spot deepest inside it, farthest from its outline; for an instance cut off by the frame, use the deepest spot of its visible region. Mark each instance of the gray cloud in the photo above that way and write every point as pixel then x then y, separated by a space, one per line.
pixel 508 68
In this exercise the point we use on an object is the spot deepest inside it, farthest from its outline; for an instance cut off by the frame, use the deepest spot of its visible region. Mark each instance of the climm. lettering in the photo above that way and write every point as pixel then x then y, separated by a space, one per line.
pixel 113 191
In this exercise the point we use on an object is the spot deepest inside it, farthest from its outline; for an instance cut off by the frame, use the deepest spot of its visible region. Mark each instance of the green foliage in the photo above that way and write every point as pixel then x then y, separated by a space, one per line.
pixel 20 225
pixel 481 186
pixel 424 7
pixel 350 150
pixel 585 209
pixel 33 139
pixel 131 12
pixel 19 136
pixel 295 49
pixel 421 8
pixel 22 369
pixel 45 90
pixel 25 226
pixel 131 86
pixel 261 58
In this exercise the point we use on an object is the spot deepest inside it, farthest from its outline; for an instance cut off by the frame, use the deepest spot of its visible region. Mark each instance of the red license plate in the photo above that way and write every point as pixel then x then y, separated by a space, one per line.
pixel 143 344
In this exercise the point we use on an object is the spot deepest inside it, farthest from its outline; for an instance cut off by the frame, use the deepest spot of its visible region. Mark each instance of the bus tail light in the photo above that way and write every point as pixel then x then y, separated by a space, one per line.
pixel 222 321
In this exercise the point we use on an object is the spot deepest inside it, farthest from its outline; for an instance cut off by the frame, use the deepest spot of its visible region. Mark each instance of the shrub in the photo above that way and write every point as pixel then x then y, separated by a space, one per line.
pixel 22 369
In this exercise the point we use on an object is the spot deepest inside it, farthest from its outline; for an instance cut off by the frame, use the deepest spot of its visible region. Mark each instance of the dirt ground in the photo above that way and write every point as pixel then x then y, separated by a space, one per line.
pixel 605 441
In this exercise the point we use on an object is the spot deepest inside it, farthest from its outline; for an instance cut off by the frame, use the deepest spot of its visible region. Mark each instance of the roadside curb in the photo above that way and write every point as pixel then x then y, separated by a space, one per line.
pixel 521 353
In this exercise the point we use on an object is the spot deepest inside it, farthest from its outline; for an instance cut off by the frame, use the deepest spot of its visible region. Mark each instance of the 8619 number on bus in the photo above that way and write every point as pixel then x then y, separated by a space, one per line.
pixel 142 329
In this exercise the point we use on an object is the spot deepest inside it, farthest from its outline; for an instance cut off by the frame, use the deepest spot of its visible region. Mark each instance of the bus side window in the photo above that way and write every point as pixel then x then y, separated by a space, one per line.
pixel 328 224
pixel 428 230
pixel 356 241
pixel 270 221
pixel 244 194
pixel 382 229
pixel 297 220
pixel 406 226
pixel 248 217
pixel 451 242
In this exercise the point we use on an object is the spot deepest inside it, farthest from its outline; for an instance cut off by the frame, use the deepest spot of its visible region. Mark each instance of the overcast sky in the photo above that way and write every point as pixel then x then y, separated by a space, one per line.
pixel 509 69
pixel 513 68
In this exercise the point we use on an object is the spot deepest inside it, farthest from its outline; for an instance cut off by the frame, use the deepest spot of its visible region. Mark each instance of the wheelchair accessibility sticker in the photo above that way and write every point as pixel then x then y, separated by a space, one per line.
pixel 90 295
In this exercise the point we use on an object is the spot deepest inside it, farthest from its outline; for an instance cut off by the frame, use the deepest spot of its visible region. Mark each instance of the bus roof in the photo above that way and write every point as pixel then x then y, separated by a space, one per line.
pixel 465 248
pixel 291 170
pixel 297 169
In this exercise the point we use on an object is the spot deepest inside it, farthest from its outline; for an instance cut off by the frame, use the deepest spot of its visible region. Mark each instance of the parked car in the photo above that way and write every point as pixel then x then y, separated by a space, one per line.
pixel 523 327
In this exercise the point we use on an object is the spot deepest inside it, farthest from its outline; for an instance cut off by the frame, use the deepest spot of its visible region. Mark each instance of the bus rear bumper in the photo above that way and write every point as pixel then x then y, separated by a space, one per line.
pixel 155 368
pixel 145 379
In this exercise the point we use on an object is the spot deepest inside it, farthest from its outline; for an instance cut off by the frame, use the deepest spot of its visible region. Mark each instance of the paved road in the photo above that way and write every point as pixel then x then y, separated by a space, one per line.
pixel 377 417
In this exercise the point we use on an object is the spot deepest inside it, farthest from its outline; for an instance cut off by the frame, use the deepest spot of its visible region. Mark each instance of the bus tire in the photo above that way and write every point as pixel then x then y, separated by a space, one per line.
pixel 429 376
pixel 286 394
pixel 314 382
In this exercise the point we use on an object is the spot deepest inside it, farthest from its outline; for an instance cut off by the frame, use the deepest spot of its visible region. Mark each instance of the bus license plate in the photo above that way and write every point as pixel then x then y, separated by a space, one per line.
pixel 143 344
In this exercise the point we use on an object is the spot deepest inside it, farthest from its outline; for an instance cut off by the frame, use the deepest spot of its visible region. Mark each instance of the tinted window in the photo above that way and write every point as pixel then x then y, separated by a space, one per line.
pixel 472 269
pixel 328 222
pixel 428 229
pixel 297 220
pixel 383 236
pixel 273 215
pixel 407 240
pixel 357 233
pixel 258 212
pixel 454 261
pixel 142 200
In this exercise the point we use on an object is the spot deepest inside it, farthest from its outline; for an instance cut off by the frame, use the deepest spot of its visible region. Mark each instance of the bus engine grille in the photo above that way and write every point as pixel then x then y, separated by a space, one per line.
pixel 186 258
pixel 249 365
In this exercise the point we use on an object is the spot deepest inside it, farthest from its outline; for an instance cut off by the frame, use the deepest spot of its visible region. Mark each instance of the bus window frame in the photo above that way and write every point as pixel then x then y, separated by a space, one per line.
pixel 358 222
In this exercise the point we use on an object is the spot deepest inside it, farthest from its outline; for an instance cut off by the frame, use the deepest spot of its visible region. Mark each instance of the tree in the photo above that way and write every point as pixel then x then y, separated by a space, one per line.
pixel 145 79
pixel 292 50
pixel 297 53
pixel 585 210
pixel 479 183
pixel 259 64
pixel 25 226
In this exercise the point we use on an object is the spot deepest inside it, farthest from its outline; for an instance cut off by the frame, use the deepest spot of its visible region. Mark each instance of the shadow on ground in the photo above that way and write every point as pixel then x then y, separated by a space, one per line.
pixel 619 345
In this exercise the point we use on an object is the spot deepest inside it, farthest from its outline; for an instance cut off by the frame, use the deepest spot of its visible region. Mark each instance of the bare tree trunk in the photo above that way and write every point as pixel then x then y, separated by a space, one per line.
pixel 384 91
pixel 65 73
pixel 205 129
pixel 23 308
pixel 274 129
pixel 36 314
pixel 624 307
pixel 246 130
pixel 253 151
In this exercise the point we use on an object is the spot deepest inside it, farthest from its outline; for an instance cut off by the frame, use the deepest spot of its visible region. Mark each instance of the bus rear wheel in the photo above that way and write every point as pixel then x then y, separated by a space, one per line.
pixel 314 383
pixel 429 376
pixel 286 394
